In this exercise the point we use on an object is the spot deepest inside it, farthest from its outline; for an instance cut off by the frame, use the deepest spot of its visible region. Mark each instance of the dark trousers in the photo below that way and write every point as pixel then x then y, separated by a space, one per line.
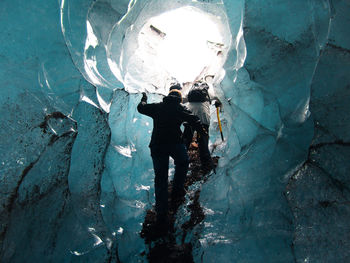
pixel 160 156
pixel 203 141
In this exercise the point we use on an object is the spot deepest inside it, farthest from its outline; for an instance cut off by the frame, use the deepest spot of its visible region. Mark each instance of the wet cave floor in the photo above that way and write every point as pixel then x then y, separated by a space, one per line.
pixel 169 245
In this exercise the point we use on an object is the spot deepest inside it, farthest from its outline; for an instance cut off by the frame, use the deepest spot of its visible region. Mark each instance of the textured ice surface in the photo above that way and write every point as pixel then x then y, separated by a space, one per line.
pixel 76 177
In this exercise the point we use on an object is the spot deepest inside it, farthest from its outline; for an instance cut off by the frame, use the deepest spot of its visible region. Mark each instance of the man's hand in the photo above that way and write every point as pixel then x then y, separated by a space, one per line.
pixel 144 97
pixel 218 103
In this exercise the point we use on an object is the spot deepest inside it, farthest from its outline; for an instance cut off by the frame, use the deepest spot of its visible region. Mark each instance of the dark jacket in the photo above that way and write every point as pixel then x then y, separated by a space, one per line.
pixel 167 118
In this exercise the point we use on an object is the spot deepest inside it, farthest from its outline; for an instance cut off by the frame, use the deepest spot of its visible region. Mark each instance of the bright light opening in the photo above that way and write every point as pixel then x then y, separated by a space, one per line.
pixel 183 45
pixel 187 48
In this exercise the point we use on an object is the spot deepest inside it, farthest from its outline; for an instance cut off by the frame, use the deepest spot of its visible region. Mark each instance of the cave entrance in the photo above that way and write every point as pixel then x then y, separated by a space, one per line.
pixel 182 45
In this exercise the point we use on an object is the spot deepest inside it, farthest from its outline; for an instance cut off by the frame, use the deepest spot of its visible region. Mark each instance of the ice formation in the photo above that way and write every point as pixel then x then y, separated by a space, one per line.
pixel 76 177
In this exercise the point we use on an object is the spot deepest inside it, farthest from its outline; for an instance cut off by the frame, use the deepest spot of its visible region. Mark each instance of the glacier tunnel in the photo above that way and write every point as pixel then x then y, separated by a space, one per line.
pixel 76 176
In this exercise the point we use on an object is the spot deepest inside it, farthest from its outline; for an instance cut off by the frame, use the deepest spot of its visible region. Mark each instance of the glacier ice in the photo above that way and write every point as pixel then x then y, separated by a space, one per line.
pixel 76 175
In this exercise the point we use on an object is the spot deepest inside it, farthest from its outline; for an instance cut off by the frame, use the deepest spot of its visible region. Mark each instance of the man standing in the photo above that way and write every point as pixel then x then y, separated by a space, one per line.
pixel 199 104
pixel 166 141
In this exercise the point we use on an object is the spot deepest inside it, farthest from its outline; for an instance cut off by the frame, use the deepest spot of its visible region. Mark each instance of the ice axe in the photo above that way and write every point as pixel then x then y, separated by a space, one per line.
pixel 220 127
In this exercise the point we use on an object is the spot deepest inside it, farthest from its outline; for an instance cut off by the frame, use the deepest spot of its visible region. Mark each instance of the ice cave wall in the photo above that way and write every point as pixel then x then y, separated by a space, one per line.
pixel 281 193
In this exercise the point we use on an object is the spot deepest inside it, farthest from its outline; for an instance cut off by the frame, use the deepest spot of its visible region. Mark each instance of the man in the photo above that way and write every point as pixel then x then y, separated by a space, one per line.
pixel 199 104
pixel 166 141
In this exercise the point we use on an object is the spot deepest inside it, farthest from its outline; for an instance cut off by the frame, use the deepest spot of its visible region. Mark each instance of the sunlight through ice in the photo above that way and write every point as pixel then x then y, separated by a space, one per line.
pixel 188 42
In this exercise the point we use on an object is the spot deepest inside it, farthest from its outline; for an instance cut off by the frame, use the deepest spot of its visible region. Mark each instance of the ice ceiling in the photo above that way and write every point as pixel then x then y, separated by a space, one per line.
pixel 164 44
pixel 76 175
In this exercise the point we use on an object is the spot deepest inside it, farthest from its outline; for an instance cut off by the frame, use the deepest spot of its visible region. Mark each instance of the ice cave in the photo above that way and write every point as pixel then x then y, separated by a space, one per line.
pixel 76 176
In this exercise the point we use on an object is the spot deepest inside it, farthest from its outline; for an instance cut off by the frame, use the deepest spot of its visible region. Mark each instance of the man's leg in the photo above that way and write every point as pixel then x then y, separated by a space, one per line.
pixel 203 144
pixel 179 153
pixel 160 157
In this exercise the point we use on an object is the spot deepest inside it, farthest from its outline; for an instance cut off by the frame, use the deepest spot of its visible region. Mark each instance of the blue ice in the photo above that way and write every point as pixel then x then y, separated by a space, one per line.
pixel 76 177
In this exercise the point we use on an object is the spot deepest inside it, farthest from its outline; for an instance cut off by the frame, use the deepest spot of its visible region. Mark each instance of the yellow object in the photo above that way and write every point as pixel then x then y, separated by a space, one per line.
pixel 220 127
